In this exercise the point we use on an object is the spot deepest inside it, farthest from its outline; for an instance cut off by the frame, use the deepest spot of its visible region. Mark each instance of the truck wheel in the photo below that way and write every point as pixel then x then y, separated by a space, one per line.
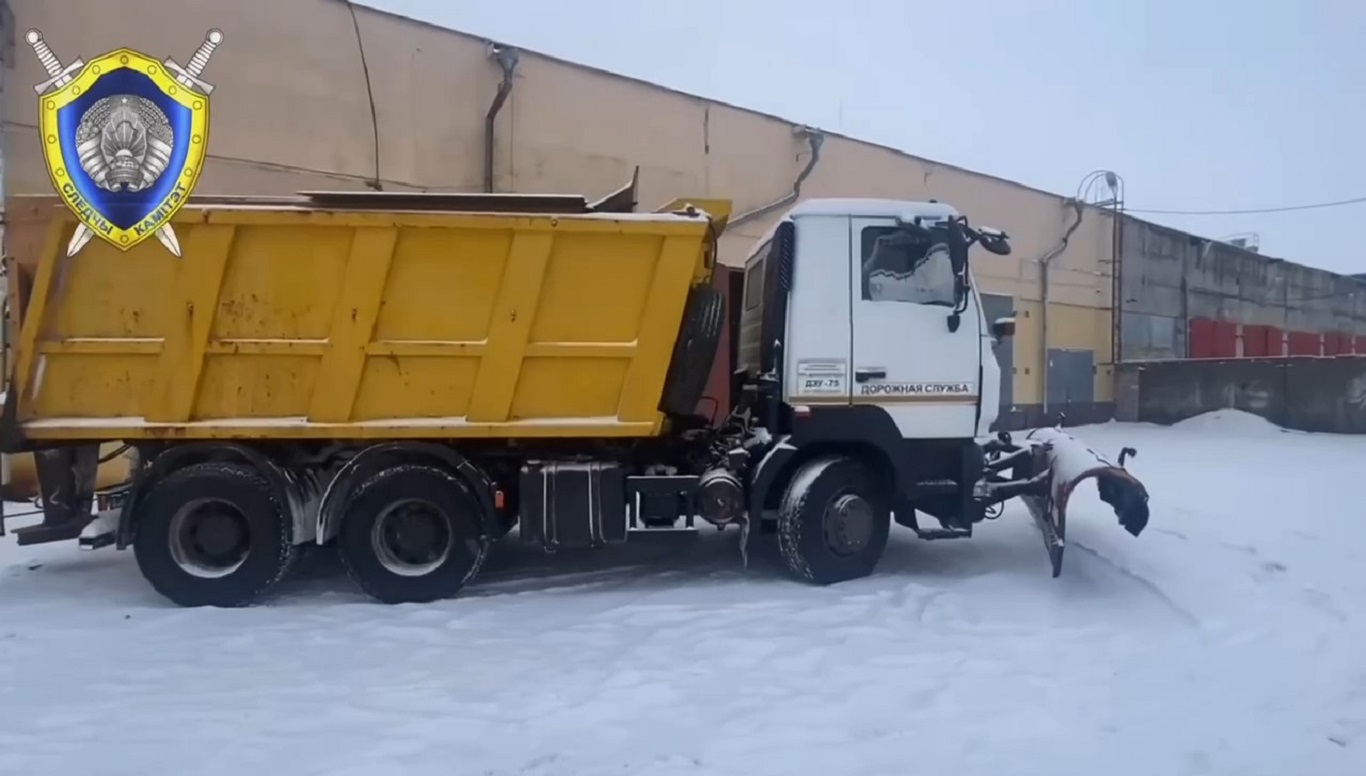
pixel 694 351
pixel 833 521
pixel 213 534
pixel 412 534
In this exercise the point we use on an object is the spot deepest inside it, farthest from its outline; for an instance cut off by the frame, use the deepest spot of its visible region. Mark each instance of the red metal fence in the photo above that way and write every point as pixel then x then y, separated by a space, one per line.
pixel 1209 338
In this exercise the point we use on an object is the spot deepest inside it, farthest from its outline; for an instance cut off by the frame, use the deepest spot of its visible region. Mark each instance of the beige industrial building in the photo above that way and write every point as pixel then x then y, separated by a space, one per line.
pixel 321 94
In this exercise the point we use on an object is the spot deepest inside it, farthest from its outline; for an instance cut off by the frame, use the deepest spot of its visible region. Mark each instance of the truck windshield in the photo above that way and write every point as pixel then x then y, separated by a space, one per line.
pixel 903 266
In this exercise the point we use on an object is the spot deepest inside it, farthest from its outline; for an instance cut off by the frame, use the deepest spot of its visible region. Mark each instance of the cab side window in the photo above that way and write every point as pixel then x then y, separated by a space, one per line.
pixel 754 277
pixel 902 267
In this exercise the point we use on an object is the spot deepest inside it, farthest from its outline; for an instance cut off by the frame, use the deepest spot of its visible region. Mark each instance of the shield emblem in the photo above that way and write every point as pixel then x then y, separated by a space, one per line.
pixel 124 142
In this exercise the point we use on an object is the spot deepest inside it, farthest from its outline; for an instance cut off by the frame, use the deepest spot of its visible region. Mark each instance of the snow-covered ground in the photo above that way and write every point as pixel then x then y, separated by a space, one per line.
pixel 1229 639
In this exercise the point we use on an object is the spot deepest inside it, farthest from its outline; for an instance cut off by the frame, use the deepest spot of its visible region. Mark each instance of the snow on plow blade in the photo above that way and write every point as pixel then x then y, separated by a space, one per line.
pixel 1070 462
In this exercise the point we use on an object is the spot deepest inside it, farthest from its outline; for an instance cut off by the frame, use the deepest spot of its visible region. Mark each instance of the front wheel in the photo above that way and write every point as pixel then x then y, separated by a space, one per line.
pixel 833 521
pixel 413 534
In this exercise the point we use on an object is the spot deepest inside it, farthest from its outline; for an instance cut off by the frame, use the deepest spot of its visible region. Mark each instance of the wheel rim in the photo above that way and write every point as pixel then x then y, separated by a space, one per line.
pixel 848 524
pixel 411 538
pixel 209 538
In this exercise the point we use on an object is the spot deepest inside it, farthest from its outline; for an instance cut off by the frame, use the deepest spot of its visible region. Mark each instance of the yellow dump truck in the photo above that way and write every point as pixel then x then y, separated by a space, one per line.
pixel 411 376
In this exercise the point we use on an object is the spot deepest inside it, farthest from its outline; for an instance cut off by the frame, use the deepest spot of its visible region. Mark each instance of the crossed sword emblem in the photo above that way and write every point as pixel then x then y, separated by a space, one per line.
pixel 60 75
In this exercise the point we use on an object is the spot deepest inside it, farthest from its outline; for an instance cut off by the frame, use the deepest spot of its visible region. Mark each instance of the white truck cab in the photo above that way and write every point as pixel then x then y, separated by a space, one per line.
pixel 864 354
pixel 881 312
pixel 861 328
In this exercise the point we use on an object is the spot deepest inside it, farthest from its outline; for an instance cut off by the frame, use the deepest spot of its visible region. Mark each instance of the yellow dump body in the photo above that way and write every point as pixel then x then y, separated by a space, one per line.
pixel 288 320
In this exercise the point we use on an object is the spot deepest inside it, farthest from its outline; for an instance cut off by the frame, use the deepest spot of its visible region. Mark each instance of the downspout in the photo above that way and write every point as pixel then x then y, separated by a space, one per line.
pixel 1205 247
pixel 506 57
pixel 377 183
pixel 6 63
pixel 814 139
pixel 1045 261
pixel 1117 291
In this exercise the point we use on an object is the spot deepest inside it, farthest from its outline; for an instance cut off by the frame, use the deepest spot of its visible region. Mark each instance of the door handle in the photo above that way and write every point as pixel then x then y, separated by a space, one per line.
pixel 864 375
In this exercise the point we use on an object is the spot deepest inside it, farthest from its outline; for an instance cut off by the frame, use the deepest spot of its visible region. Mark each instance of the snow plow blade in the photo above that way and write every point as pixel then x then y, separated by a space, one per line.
pixel 1069 462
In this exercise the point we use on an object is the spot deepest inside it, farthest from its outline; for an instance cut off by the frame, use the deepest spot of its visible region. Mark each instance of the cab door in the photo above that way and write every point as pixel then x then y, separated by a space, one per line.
pixel 817 319
pixel 906 359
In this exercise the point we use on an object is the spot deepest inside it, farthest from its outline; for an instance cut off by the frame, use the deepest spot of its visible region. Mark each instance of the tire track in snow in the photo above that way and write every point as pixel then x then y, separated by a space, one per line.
pixel 1146 584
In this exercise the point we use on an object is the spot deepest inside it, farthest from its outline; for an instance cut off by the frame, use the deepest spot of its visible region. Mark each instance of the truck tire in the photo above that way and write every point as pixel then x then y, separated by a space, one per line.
pixel 213 534
pixel 694 351
pixel 833 521
pixel 412 534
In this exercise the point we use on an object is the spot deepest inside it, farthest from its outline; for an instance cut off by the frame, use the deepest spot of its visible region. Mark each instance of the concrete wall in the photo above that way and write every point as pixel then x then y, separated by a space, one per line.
pixel 1309 394
pixel 1169 278
pixel 292 111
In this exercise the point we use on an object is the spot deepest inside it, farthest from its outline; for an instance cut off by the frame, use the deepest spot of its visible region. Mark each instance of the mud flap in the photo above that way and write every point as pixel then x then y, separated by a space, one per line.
pixel 1070 462
pixel 66 481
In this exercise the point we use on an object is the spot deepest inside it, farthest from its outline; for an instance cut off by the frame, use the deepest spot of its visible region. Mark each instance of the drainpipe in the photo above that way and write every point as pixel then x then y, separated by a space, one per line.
pixel 377 183
pixel 6 63
pixel 814 139
pixel 1205 247
pixel 1045 261
pixel 506 57
pixel 1117 290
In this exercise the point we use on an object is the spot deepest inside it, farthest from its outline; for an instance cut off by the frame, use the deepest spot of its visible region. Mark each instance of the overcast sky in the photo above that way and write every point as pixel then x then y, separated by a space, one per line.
pixel 1197 104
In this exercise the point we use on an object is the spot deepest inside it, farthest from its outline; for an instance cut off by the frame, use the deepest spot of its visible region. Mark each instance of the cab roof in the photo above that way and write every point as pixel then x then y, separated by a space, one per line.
pixel 857 207
pixel 871 208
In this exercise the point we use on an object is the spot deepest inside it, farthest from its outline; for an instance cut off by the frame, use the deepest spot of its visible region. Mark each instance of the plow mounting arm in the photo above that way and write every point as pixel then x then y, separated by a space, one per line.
pixel 1047 469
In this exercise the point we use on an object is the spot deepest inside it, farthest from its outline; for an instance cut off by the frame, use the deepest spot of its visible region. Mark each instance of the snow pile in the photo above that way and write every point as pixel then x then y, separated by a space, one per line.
pixel 1230 422
pixel 1227 639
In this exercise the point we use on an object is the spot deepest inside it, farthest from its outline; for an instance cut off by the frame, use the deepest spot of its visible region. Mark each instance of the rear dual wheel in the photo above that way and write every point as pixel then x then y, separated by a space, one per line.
pixel 213 534
pixel 413 534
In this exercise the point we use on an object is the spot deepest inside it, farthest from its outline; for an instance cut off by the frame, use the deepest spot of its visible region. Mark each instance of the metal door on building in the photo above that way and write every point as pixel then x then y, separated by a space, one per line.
pixel 1071 377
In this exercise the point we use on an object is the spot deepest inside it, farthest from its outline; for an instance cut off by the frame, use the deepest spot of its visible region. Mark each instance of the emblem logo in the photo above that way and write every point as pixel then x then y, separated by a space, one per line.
pixel 124 139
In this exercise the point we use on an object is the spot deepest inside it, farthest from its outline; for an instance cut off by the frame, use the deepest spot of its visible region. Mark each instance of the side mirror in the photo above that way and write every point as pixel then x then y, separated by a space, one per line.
pixel 1002 328
pixel 996 243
